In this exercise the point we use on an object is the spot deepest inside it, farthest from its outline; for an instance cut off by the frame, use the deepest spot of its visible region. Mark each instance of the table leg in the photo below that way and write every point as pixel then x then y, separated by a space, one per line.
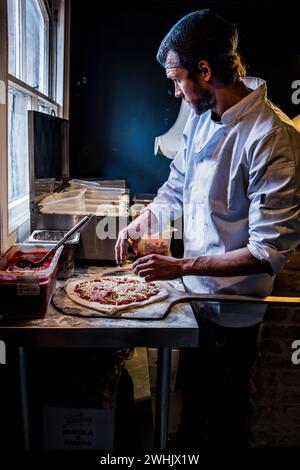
pixel 162 398
pixel 24 397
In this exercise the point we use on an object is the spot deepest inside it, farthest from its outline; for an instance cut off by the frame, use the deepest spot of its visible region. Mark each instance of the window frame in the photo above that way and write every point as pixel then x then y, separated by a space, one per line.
pixel 21 204
pixel 62 32
pixel 5 241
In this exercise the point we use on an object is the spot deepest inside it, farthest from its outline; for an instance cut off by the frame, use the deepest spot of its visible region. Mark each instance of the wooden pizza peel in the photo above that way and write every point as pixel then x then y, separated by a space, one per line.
pixel 153 311
pixel 157 310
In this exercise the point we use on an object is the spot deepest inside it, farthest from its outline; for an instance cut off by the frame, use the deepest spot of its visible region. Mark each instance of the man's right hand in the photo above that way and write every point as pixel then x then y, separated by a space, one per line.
pixel 121 248
pixel 132 235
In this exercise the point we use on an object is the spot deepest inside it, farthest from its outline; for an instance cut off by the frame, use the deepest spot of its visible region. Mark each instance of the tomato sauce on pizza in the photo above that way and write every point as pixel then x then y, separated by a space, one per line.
pixel 116 291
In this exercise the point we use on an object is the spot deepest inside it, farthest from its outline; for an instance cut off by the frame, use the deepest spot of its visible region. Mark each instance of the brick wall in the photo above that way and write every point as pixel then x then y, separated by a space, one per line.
pixel 275 397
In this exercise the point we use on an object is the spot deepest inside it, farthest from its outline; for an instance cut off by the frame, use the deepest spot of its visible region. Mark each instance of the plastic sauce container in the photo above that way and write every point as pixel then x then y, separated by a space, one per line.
pixel 27 294
pixel 157 243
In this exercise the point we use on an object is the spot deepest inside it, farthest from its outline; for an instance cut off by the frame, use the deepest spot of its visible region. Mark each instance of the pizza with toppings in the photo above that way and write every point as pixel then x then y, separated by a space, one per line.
pixel 115 293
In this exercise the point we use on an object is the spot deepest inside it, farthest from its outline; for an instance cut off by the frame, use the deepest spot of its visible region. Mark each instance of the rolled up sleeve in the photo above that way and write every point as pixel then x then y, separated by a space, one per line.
pixel 274 218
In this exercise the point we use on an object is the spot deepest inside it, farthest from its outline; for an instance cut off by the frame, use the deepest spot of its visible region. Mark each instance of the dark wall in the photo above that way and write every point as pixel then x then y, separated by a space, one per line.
pixel 120 98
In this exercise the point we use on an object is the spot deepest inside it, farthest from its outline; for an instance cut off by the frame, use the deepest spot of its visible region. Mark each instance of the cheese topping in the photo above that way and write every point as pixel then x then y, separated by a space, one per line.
pixel 116 291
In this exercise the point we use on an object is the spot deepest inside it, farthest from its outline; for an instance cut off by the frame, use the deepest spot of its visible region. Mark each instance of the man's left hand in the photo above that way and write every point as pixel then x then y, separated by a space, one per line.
pixel 157 267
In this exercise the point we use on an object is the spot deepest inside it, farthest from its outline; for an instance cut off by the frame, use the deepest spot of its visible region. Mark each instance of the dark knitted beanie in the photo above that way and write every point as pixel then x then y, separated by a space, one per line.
pixel 200 35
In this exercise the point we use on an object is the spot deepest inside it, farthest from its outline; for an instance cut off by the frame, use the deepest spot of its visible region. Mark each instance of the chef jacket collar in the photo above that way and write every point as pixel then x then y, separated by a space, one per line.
pixel 231 116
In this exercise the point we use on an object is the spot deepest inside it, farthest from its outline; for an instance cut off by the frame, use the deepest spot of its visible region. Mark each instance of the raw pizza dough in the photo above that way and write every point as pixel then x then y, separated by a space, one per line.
pixel 115 285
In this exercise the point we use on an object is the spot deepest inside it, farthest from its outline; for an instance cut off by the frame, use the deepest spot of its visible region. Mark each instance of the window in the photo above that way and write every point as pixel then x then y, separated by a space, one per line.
pixel 18 105
pixel 13 37
pixel 36 43
pixel 35 82
pixel 28 43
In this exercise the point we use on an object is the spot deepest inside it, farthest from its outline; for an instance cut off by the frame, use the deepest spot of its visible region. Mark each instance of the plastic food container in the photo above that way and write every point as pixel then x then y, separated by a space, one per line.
pixel 66 264
pixel 66 195
pixel 156 243
pixel 73 200
pixel 102 209
pixel 45 185
pixel 102 183
pixel 27 294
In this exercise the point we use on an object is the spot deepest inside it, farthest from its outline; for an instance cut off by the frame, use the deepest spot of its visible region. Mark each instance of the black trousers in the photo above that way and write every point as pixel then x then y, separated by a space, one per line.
pixel 215 380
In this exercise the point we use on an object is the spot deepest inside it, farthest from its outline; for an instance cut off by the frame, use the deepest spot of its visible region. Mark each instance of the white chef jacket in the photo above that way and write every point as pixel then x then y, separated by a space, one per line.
pixel 237 184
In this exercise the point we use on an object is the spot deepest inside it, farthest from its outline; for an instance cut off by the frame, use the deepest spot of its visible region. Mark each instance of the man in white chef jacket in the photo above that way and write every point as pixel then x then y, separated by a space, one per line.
pixel 235 181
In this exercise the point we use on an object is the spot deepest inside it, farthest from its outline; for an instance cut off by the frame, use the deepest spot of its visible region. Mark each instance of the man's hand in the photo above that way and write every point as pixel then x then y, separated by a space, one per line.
pixel 158 267
pixel 121 248
pixel 132 234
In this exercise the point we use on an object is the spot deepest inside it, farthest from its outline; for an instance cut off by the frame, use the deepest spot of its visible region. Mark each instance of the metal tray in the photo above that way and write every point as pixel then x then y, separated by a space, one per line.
pixel 52 236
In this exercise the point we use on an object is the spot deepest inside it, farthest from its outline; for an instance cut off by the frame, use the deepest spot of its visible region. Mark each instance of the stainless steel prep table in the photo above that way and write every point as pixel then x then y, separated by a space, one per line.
pixel 57 330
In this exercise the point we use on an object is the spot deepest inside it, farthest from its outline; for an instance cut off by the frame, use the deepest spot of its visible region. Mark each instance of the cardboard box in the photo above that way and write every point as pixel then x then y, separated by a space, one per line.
pixel 152 368
pixel 78 428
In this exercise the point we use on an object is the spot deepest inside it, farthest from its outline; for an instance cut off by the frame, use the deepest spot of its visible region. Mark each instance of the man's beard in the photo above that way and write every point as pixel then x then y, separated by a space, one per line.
pixel 204 101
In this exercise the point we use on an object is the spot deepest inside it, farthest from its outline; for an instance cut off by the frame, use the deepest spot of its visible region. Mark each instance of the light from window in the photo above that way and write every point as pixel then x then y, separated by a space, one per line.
pixel 18 179
pixel 36 53
pixel 28 43
pixel 13 38
pixel 30 83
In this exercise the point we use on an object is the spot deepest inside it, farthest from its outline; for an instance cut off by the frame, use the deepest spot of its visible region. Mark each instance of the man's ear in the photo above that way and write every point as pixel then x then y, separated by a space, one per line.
pixel 205 69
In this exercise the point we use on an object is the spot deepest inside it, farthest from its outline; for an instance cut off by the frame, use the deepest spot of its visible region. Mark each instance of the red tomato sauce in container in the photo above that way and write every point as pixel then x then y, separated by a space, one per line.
pixel 25 293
